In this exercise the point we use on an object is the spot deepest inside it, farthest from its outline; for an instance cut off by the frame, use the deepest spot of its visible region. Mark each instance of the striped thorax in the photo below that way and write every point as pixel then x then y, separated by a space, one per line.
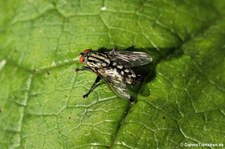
pixel 94 60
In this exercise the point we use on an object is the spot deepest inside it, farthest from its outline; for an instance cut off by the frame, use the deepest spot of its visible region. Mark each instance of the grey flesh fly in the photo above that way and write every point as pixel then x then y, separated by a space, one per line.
pixel 115 68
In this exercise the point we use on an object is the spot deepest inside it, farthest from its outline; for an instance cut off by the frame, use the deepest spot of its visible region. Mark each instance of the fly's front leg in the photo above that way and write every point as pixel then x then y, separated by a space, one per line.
pixel 94 85
pixel 82 69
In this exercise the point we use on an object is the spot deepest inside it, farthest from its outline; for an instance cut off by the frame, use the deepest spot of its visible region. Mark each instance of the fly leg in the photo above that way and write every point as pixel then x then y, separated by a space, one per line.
pixel 82 69
pixel 94 85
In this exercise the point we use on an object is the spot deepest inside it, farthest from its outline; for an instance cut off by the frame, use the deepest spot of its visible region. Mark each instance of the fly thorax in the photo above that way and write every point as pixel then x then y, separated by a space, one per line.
pixel 97 60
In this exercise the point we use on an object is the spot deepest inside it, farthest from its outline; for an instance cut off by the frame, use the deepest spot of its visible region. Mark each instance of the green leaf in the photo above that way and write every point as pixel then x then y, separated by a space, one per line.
pixel 41 104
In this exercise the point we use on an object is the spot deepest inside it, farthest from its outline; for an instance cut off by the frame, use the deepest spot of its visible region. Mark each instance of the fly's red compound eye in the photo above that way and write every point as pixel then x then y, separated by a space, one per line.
pixel 81 59
pixel 83 55
pixel 87 51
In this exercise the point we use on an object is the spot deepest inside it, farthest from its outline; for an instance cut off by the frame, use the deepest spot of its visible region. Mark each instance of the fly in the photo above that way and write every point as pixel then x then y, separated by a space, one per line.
pixel 115 68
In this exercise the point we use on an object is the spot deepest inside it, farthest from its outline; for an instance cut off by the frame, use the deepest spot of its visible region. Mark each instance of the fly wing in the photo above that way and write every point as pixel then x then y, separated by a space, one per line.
pixel 132 58
pixel 115 82
pixel 120 89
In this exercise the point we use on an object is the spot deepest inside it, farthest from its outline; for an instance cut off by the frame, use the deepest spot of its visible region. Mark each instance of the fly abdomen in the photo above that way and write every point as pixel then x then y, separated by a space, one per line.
pixel 126 73
pixel 130 77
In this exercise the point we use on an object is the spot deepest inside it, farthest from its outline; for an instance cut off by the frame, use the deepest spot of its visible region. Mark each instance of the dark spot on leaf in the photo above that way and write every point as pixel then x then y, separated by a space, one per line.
pixel 14 97
pixel 34 70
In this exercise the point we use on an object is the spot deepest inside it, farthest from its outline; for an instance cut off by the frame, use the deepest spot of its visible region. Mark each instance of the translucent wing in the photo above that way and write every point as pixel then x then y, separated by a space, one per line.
pixel 115 82
pixel 120 90
pixel 131 58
